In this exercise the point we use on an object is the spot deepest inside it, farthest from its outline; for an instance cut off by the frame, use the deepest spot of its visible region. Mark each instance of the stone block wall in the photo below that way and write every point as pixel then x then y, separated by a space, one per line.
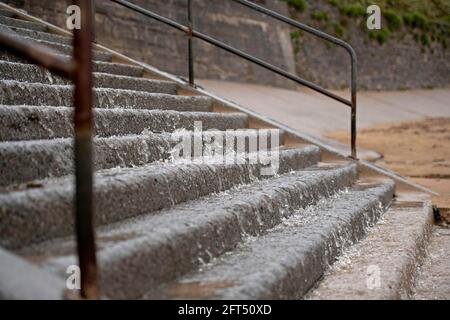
pixel 400 63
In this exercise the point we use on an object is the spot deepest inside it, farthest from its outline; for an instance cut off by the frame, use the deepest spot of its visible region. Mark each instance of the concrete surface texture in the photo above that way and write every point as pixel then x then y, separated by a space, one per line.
pixel 370 269
pixel 433 281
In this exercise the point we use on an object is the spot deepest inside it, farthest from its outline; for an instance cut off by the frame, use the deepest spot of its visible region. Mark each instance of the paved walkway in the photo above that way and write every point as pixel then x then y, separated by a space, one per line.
pixel 317 115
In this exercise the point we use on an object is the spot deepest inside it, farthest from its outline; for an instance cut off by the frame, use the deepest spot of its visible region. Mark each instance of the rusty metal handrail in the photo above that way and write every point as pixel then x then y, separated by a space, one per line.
pixel 37 54
pixel 79 70
pixel 189 30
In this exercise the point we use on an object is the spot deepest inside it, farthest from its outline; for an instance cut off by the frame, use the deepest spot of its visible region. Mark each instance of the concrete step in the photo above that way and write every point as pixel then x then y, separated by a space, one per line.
pixel 98 66
pixel 21 93
pixel 104 80
pixel 384 264
pixel 31 73
pixel 44 212
pixel 65 49
pixel 118 69
pixel 38 122
pixel 98 56
pixel 40 159
pixel 433 280
pixel 7 13
pixel 20 280
pixel 291 257
pixel 58 48
pixel 38 35
pixel 139 254
pixel 19 23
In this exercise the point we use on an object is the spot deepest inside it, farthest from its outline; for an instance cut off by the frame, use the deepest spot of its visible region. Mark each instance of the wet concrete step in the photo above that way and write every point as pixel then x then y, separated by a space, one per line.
pixel 60 48
pixel 40 122
pixel 21 93
pixel 19 23
pixel 38 35
pixel 118 69
pixel 7 13
pixel 45 212
pixel 41 159
pixel 291 257
pixel 384 264
pixel 98 55
pixel 63 49
pixel 34 74
pixel 433 279
pixel 98 66
pixel 147 251
pixel 104 80
pixel 21 280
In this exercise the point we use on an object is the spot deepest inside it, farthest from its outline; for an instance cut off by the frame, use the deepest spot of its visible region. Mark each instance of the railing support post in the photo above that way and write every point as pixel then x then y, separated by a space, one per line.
pixel 354 105
pixel 94 11
pixel 190 44
pixel 83 101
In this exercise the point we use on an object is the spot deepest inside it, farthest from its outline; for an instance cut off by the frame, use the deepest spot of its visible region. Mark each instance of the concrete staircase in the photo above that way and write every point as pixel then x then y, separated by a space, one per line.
pixel 183 229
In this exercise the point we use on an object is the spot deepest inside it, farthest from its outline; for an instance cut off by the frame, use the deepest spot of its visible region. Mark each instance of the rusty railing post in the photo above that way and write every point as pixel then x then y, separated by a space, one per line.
pixel 190 44
pixel 94 11
pixel 83 102
pixel 354 89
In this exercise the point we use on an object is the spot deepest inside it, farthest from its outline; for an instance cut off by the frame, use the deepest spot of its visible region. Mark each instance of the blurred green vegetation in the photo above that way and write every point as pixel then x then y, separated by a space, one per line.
pixel 427 20
pixel 299 5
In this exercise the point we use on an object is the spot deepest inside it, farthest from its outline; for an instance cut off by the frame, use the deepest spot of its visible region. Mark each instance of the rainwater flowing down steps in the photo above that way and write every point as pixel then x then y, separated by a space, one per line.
pixel 192 228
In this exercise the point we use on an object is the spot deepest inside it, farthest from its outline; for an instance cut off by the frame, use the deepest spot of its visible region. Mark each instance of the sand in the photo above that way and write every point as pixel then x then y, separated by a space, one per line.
pixel 419 150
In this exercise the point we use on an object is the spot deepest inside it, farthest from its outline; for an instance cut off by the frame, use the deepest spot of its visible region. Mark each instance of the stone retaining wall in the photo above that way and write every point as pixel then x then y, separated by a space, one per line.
pixel 400 63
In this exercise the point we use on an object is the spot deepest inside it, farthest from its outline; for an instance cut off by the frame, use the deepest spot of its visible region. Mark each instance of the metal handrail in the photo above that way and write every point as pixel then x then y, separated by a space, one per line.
pixel 189 30
pixel 79 70
pixel 332 39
